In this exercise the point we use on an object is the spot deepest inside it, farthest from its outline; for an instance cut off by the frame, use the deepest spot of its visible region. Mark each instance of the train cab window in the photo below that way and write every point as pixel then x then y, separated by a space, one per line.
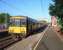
pixel 17 22
pixel 12 22
pixel 22 22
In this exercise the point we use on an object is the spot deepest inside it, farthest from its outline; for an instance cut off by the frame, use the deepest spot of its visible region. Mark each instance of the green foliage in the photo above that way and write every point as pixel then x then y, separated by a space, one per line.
pixel 4 17
pixel 56 9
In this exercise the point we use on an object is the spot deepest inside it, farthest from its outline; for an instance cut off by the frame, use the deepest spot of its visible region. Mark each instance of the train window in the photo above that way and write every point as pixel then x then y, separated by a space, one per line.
pixel 22 22
pixel 17 22
pixel 11 22
pixel 14 22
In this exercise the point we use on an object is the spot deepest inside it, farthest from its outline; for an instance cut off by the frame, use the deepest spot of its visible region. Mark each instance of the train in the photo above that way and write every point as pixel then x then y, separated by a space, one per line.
pixel 22 26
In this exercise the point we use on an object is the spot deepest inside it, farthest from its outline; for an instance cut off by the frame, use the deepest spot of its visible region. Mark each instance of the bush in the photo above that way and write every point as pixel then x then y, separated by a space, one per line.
pixel 61 30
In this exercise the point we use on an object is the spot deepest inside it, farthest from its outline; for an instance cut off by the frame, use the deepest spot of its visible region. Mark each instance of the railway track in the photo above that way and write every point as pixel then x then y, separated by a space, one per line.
pixel 6 41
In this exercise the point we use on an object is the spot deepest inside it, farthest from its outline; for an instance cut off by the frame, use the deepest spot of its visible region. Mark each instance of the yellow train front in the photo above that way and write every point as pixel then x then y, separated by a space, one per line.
pixel 17 26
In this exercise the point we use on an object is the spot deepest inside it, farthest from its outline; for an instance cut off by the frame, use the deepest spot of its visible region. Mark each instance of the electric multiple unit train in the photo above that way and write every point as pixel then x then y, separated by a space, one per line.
pixel 21 26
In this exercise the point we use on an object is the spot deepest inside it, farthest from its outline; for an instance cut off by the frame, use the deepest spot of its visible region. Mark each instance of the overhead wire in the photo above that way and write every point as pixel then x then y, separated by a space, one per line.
pixel 42 7
pixel 41 1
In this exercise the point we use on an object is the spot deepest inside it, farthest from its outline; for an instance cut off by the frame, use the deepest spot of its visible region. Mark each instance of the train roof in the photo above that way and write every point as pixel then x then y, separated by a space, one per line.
pixel 18 17
pixel 23 17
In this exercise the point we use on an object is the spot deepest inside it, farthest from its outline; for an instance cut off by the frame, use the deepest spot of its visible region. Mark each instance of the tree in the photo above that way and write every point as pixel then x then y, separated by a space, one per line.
pixel 56 9
pixel 4 18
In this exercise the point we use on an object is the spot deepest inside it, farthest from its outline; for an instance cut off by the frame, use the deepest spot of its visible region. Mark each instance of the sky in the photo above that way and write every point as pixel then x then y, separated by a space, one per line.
pixel 36 9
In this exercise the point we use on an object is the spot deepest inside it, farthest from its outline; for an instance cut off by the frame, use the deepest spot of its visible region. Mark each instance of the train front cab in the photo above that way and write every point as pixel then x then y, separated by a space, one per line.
pixel 17 27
